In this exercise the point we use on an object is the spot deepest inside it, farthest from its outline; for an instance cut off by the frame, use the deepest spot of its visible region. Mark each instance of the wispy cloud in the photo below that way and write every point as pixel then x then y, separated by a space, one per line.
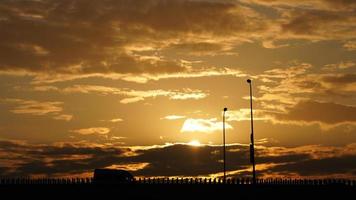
pixel 63 117
pixel 327 115
pixel 296 96
pixel 138 95
pixel 244 114
pixel 131 100
pixel 188 94
pixel 129 167
pixel 316 4
pixel 350 45
pixel 32 49
pixel 203 125
pixel 116 120
pixel 339 66
pixel 35 107
pixel 44 88
pixel 173 117
pixel 92 131
pixel 189 72
pixel 98 89
pixel 39 108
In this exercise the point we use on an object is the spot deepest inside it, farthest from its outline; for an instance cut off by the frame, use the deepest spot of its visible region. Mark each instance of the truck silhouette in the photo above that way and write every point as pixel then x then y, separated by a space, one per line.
pixel 112 176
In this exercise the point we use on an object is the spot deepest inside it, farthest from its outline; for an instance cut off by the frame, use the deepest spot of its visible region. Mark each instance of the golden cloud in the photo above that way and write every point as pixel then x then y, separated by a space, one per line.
pixel 126 40
pixel 294 95
pixel 319 4
pixel 38 108
pixel 203 125
pixel 92 131
pixel 63 117
pixel 339 66
pixel 244 114
pixel 173 117
pixel 137 95
pixel 116 120
pixel 327 115
pixel 350 45
pixel 112 42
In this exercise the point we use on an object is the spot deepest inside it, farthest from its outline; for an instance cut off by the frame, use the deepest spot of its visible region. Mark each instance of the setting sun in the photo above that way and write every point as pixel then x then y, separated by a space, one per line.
pixel 194 143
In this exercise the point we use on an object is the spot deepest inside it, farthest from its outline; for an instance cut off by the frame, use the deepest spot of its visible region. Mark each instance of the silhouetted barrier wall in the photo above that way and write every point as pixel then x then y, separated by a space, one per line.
pixel 206 181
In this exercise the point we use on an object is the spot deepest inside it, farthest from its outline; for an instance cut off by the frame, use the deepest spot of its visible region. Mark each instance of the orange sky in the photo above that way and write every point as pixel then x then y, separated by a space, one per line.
pixel 141 85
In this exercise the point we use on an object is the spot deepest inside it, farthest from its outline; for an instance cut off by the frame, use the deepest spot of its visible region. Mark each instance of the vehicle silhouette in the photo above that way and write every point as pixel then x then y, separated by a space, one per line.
pixel 112 176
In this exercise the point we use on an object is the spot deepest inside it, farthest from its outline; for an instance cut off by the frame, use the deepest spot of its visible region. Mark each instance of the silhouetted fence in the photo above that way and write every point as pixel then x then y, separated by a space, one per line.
pixel 246 181
pixel 206 181
pixel 44 181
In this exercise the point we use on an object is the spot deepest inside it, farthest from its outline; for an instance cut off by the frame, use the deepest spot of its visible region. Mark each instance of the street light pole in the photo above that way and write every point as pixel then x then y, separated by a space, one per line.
pixel 252 144
pixel 224 147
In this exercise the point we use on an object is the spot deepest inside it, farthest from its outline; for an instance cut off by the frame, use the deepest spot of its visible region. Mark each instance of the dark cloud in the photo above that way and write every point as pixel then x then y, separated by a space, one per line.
pixel 313 22
pixel 187 160
pixel 296 95
pixel 201 48
pixel 346 4
pixel 23 159
pixel 81 37
pixel 311 111
pixel 171 160
pixel 319 167
pixel 320 4
pixel 77 38
pixel 342 79
pixel 65 166
pixel 51 159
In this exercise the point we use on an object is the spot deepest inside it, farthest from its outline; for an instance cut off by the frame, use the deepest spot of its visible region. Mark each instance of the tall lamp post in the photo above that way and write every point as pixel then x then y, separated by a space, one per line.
pixel 224 146
pixel 252 144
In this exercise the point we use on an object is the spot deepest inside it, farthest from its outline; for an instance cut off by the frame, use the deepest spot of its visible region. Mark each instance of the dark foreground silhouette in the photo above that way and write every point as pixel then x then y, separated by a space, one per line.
pixel 112 176
pixel 179 189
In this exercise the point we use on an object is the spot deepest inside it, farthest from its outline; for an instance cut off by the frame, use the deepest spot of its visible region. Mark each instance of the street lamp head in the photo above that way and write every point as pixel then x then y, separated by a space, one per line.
pixel 248 80
pixel 225 109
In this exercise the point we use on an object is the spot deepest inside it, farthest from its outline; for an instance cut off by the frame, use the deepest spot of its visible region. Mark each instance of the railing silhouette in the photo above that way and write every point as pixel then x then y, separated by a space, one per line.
pixel 185 181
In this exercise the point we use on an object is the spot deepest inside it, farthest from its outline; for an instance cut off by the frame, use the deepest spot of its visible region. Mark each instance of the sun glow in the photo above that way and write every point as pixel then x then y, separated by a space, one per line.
pixel 194 143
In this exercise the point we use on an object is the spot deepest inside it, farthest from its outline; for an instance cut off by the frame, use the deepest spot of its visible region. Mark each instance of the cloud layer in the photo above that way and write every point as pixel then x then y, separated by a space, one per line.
pixel 77 39
pixel 295 95
pixel 38 108
pixel 58 41
pixel 64 159
pixel 131 95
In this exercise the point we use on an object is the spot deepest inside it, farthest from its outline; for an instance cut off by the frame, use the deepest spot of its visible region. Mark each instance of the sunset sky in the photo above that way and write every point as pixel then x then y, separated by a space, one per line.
pixel 141 84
